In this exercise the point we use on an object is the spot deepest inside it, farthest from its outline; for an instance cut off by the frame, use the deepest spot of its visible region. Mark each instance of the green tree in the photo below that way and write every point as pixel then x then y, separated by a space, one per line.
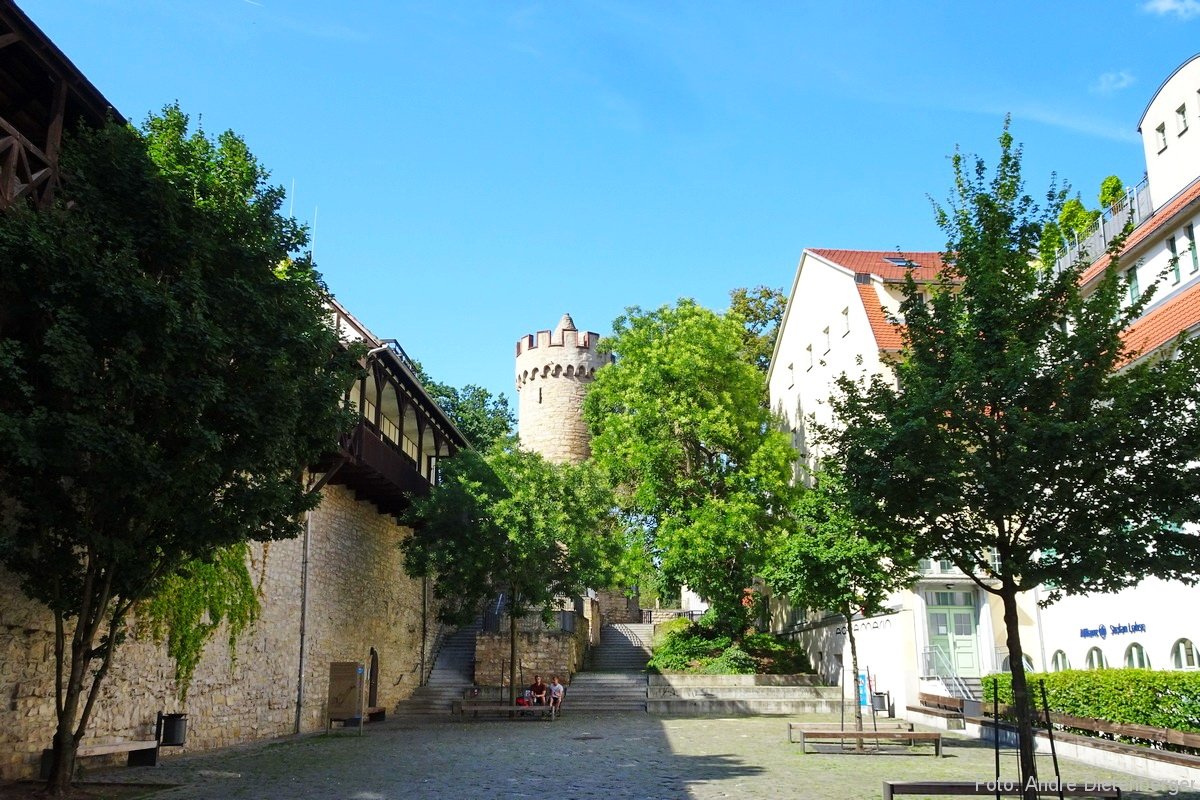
pixel 1112 192
pixel 679 425
pixel 482 417
pixel 510 523
pixel 760 311
pixel 829 559
pixel 165 375
pixel 1018 441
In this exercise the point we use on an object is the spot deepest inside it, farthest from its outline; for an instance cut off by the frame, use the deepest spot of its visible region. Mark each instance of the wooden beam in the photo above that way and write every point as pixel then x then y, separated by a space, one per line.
pixel 58 106
pixel 9 38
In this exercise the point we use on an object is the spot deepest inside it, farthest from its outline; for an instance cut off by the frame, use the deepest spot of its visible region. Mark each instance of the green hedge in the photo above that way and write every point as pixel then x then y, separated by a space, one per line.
pixel 1158 698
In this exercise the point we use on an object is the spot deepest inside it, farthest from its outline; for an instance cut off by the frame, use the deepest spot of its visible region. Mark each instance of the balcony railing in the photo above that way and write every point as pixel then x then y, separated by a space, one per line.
pixel 1135 206
pixel 378 471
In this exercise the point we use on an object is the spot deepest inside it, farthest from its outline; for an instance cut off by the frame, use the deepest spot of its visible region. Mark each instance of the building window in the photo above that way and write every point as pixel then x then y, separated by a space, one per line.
pixel 1190 230
pixel 926 565
pixel 1161 130
pixel 539 395
pixel 1025 659
pixel 1183 655
pixel 828 341
pixel 1173 251
pixel 1181 119
pixel 1135 657
pixel 1134 290
pixel 808 350
pixel 1059 662
pixel 846 321
pixel 791 375
pixel 1095 659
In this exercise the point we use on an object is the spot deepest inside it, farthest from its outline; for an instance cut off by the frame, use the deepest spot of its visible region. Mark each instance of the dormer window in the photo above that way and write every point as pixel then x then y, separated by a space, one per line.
pixel 1161 131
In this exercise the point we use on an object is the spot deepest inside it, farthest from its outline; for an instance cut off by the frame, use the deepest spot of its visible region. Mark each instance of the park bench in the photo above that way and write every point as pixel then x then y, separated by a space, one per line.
pixel 808 734
pixel 895 725
pixel 990 789
pixel 141 754
pixel 475 709
pixel 937 705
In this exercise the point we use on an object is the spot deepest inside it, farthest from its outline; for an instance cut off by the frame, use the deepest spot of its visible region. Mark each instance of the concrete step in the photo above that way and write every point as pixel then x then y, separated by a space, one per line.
pixel 742 707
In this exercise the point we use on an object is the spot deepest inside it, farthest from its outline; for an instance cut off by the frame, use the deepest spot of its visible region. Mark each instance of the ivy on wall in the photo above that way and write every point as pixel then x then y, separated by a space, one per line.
pixel 195 601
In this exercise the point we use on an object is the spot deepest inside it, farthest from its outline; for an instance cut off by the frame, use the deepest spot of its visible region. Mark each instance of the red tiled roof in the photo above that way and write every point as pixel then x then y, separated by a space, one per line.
pixel 1161 219
pixel 874 262
pixel 887 334
pixel 1164 323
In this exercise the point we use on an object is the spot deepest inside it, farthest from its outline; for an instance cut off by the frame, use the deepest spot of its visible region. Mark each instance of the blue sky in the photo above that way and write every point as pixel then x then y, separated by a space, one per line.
pixel 473 170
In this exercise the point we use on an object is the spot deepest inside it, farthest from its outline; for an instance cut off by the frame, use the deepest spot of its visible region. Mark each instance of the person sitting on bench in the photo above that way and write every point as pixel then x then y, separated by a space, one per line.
pixel 537 691
pixel 556 694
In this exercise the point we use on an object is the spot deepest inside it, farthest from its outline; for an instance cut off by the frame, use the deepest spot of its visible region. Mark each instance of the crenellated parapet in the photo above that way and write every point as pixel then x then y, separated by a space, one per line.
pixel 554 369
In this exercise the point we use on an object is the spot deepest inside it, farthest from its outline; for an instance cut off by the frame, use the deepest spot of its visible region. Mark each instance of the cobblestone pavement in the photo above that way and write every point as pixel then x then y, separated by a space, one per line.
pixel 602 756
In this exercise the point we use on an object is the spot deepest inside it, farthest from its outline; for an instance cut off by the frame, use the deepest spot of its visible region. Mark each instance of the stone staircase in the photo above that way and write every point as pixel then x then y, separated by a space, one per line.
pixel 615 676
pixel 449 678
pixel 624 647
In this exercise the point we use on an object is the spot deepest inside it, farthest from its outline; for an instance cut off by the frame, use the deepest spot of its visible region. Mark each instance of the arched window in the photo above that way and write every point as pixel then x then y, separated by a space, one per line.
pixel 1025 659
pixel 1135 657
pixel 1183 654
pixel 1059 662
pixel 1095 659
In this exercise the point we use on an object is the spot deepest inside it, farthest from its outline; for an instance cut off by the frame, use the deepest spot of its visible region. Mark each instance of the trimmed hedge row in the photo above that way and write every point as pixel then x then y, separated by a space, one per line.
pixel 1158 698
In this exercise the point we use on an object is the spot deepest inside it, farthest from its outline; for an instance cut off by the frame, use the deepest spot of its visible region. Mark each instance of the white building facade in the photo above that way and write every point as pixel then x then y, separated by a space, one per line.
pixel 946 633
pixel 1153 624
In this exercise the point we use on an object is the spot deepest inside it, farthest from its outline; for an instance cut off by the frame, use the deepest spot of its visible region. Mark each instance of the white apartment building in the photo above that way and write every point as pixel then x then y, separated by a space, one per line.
pixel 1153 624
pixel 947 632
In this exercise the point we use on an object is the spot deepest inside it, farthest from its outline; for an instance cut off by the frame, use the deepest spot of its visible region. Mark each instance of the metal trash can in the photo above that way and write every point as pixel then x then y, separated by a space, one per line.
pixel 174 730
pixel 879 701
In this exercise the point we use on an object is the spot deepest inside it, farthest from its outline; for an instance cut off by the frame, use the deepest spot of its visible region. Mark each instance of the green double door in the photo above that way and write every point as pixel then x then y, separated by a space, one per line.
pixel 953 630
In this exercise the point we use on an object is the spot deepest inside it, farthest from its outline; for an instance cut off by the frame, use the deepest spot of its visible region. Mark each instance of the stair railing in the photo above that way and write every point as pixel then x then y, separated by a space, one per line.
pixel 938 665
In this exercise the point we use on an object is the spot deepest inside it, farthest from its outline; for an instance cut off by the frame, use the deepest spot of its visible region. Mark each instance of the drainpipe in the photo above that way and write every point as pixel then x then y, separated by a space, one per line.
pixel 303 618
pixel 424 627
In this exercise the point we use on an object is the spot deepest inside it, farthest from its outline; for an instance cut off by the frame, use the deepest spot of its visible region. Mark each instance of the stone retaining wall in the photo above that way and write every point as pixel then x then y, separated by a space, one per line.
pixel 539 652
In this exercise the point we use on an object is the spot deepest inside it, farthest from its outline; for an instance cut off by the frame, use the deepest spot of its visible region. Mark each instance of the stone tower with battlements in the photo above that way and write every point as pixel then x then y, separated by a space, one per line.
pixel 554 370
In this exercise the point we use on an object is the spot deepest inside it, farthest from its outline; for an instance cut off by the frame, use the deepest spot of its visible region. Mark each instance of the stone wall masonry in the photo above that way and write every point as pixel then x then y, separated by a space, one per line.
pixel 358 599
pixel 617 606
pixel 541 652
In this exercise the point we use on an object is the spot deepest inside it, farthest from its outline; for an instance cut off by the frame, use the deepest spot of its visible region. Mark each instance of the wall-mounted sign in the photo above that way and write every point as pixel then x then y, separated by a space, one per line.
pixel 864 625
pixel 1102 631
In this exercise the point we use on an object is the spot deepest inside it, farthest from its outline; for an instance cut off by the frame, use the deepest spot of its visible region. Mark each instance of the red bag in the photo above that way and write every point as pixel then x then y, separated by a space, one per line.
pixel 521 701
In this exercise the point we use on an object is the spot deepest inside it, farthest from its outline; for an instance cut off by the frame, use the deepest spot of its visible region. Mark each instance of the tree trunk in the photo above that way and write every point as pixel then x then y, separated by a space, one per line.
pixel 858 715
pixel 1016 662
pixel 512 654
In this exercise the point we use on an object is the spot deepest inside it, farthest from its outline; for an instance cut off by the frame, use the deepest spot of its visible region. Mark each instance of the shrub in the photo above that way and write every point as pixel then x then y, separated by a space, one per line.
pixel 687 648
pixel 777 656
pixel 1158 698
pixel 734 661
pixel 683 646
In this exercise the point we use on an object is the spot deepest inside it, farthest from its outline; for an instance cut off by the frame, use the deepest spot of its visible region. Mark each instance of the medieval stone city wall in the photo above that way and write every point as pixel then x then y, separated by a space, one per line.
pixel 358 599
pixel 541 652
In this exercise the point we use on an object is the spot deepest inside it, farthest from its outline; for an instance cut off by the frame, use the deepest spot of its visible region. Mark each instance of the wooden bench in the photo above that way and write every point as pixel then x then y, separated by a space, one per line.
pixel 897 725
pixel 141 754
pixel 376 713
pixel 989 789
pixel 913 737
pixel 466 707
